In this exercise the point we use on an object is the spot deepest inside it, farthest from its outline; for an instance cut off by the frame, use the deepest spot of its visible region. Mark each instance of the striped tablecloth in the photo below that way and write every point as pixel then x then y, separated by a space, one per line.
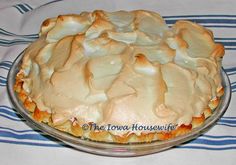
pixel 19 25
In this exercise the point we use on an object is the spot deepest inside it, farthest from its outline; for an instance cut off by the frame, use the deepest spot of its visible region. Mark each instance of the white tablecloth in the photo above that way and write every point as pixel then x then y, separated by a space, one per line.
pixel 19 25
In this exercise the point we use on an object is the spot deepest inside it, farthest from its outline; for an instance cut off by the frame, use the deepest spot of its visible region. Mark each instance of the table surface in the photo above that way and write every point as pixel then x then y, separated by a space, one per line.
pixel 19 24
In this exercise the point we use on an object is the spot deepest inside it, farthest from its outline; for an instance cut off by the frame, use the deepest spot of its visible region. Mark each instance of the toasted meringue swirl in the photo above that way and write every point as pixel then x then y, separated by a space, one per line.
pixel 122 68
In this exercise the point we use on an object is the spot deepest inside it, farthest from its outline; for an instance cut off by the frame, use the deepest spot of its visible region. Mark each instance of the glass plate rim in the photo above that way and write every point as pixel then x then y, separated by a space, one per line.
pixel 113 149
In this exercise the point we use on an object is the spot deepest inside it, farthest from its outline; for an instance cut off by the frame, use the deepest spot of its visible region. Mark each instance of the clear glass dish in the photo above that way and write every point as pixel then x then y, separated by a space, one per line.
pixel 112 149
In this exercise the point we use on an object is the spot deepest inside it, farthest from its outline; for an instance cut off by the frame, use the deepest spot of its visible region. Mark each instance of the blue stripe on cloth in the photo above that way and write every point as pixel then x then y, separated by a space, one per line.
pixel 228 125
pixel 10 133
pixel 216 38
pixel 233 86
pixel 26 135
pixel 228 43
pixel 8 62
pixel 199 16
pixel 230 48
pixel 218 137
pixel 230 69
pixel 7 33
pixel 206 148
pixel 50 2
pixel 2 67
pixel 28 6
pixel 34 144
pixel 3 81
pixel 233 83
pixel 233 73
pixel 9 108
pixel 227 121
pixel 207 21
pixel 19 9
pixel 23 136
pixel 23 8
pixel 212 142
pixel 228 117
pixel 4 42
pixel 11 118
pixel 5 65
pixel 21 131
pixel 9 113
pixel 219 26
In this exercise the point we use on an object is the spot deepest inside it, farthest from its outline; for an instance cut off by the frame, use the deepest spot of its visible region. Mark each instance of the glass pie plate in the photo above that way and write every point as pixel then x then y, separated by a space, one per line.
pixel 112 149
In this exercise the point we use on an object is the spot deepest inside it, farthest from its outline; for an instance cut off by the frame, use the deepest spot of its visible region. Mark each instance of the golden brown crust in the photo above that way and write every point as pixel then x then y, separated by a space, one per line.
pixel 197 121
pixel 41 116
pixel 220 92
pixel 214 103
pixel 207 112
pixel 165 135
pixel 146 137
pixel 76 130
pixel 29 105
pixel 183 129
pixel 219 50
pixel 99 135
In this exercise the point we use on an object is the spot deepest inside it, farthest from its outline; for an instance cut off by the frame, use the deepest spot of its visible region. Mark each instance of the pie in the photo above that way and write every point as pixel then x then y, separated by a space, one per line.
pixel 121 76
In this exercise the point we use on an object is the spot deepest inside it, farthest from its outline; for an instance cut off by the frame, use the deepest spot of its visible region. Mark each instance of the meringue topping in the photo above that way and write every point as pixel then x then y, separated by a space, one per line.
pixel 122 68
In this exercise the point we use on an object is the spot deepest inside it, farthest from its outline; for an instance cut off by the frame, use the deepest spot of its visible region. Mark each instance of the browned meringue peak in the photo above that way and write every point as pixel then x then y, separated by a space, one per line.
pixel 131 90
pixel 69 25
pixel 183 88
pixel 122 68
pixel 199 41
pixel 143 66
pixel 98 27
pixel 149 22
pixel 102 46
pixel 30 53
pixel 47 25
pixel 161 52
pixel 197 51
pixel 121 18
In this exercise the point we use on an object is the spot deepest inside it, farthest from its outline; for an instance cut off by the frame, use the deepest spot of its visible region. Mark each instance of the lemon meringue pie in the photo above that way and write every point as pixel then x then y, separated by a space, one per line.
pixel 111 76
